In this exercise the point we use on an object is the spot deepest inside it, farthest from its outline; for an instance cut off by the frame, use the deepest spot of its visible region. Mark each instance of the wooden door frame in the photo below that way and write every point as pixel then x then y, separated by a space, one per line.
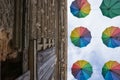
pixel 61 41
pixel 21 35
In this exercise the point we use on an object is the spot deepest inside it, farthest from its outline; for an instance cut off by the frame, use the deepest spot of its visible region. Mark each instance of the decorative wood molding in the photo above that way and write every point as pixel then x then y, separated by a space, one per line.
pixel 62 41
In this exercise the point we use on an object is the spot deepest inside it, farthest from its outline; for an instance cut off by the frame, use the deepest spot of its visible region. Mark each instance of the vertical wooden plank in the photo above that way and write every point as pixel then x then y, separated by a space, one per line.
pixel 0 71
pixel 56 40
pixel 33 18
pixel 52 26
pixel 32 59
pixel 35 63
pixel 18 32
pixel 42 14
pixel 65 41
pixel 54 18
pixel 45 19
pixel 52 23
pixel 48 18
pixel 33 39
pixel 17 26
pixel 39 20
pixel 61 38
pixel 26 32
pixel 44 23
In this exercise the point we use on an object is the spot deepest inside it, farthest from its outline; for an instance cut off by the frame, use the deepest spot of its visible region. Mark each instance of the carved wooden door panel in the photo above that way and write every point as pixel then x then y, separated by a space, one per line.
pixel 12 22
pixel 10 68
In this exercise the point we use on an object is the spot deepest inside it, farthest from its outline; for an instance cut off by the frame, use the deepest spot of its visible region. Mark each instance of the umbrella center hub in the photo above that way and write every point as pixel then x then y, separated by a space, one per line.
pixel 81 69
pixel 111 37
pixel 108 8
pixel 81 36
pixel 110 70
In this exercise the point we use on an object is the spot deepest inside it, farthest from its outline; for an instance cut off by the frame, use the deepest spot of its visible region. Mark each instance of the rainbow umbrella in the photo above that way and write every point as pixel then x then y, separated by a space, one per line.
pixel 80 8
pixel 82 70
pixel 110 8
pixel 111 37
pixel 111 70
pixel 80 37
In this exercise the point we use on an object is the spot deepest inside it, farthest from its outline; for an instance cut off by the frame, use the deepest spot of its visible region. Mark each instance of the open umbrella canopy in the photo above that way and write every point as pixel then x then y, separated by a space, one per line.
pixel 80 36
pixel 110 8
pixel 82 70
pixel 80 8
pixel 111 37
pixel 111 70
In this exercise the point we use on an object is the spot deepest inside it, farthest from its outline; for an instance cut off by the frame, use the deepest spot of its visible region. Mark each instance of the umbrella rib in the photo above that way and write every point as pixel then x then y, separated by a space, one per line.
pixel 115 72
pixel 113 43
pixel 114 12
pixel 114 3
pixel 112 9
pixel 86 40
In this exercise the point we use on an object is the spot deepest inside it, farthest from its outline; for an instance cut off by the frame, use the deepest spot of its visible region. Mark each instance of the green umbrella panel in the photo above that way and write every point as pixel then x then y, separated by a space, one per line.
pixel 110 8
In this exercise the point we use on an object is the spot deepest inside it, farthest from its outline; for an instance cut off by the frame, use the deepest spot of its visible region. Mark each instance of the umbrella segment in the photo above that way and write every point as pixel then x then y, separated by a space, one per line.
pixel 82 70
pixel 110 8
pixel 111 70
pixel 111 37
pixel 80 37
pixel 80 8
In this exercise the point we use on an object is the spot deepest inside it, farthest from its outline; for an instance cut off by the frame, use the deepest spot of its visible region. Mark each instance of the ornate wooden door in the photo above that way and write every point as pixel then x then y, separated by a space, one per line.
pixel 12 22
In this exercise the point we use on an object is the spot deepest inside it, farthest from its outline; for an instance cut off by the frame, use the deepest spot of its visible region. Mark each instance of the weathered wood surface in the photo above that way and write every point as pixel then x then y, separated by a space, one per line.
pixel 43 56
pixel 25 76
pixel 7 13
pixel 45 63
pixel 48 74
pixel 61 38
pixel 44 69
pixel 10 69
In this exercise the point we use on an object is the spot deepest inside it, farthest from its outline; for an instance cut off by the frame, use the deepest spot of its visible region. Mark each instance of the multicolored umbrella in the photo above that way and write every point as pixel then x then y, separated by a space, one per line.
pixel 111 37
pixel 82 70
pixel 80 8
pixel 80 36
pixel 110 8
pixel 111 70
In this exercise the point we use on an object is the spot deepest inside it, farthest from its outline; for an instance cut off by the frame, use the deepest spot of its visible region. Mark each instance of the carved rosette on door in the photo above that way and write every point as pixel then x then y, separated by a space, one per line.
pixel 7 51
